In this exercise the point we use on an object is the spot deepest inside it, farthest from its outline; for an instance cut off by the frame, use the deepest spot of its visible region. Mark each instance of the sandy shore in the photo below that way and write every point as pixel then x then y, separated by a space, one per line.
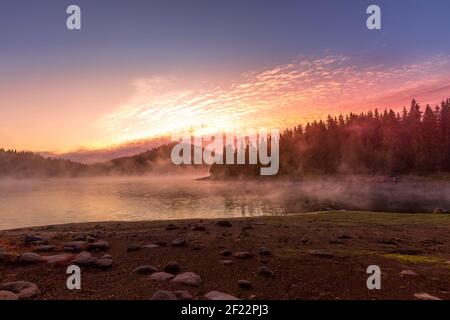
pixel 310 256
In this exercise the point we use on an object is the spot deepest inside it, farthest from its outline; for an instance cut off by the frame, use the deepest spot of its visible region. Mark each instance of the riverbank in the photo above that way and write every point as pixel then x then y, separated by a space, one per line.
pixel 310 256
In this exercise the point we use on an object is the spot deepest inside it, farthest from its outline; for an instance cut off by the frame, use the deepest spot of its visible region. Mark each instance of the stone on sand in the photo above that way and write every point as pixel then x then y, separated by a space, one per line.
pixel 244 284
pixel 23 289
pixel 161 276
pixel 217 295
pixel 146 269
pixel 425 296
pixel 243 255
pixel 63 258
pixel 84 258
pixel 101 245
pixel 172 267
pixel 8 295
pixel 265 271
pixel 30 258
pixel 188 279
pixel 164 295
pixel 408 273
pixel 179 243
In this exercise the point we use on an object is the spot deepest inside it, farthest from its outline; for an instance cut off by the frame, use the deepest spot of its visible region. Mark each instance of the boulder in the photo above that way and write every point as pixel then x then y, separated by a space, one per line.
pixel 161 276
pixel 188 279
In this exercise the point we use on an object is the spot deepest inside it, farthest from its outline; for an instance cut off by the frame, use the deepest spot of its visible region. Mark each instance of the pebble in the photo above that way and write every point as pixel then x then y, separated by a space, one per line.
pixel 104 263
pixel 74 246
pixel 244 284
pixel 164 295
pixel 8 295
pixel 217 295
pixel 161 276
pixel 30 258
pixel 243 255
pixel 23 289
pixel 84 258
pixel 226 253
pixel 151 246
pixel 224 223
pixel 172 227
pixel 146 269
pixel 63 258
pixel 133 247
pixel 172 267
pixel 265 271
pixel 183 295
pixel 227 262
pixel 425 296
pixel 408 273
pixel 100 245
pixel 179 243
pixel 189 279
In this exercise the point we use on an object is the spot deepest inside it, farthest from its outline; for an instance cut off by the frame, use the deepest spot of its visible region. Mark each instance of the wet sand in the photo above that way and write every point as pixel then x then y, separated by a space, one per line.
pixel 321 255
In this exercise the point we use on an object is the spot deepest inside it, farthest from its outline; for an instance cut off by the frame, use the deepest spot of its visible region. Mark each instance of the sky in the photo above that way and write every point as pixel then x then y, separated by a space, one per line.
pixel 145 69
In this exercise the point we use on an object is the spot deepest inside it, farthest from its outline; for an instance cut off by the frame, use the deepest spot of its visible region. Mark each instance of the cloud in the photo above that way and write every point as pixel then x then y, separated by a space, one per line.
pixel 281 96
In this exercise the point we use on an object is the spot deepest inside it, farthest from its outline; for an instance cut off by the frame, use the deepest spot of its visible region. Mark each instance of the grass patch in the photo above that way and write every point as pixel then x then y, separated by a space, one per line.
pixel 414 259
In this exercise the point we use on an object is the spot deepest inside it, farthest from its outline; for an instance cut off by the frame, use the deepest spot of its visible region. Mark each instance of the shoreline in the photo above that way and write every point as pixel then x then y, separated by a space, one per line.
pixel 322 255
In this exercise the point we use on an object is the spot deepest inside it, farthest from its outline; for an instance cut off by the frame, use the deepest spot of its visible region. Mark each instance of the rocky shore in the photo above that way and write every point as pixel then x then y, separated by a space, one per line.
pixel 310 256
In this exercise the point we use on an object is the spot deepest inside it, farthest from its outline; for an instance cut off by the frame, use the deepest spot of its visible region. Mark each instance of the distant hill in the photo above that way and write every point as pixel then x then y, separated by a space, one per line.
pixel 30 165
pixel 27 164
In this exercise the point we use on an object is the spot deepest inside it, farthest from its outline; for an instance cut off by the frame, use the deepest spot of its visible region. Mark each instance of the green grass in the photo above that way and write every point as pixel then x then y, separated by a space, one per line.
pixel 414 259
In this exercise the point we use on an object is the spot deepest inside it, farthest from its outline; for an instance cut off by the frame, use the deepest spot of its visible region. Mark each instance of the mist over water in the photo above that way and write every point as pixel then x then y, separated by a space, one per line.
pixel 25 203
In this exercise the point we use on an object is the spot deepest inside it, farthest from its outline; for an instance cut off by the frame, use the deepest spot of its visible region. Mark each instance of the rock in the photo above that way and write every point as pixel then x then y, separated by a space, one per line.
pixel 425 296
pixel 179 243
pixel 7 257
pixel 183 295
pixel 172 267
pixel 164 295
pixel 439 210
pixel 320 253
pixel 344 236
pixel 23 289
pixel 161 276
pixel 172 227
pixel 408 273
pixel 34 239
pixel 161 243
pixel 263 251
pixel 243 255
pixel 133 247
pixel 100 245
pixel 30 258
pixel 84 258
pixel 188 279
pixel 146 269
pixel 217 295
pixel 104 263
pixel 44 248
pixel 244 284
pixel 247 227
pixel 106 256
pixel 8 295
pixel 59 259
pixel 224 223
pixel 227 262
pixel 265 271
pixel 74 246
pixel 151 246
pixel 199 228
pixel 226 253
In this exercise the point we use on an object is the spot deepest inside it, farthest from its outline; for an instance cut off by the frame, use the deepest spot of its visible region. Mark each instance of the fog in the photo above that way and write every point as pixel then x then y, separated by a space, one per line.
pixel 31 202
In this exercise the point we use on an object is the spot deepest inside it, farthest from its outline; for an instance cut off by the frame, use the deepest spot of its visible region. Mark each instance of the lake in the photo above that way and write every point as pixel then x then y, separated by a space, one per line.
pixel 25 203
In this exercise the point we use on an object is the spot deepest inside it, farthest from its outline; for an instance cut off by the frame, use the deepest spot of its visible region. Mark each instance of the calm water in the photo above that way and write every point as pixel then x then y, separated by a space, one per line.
pixel 53 201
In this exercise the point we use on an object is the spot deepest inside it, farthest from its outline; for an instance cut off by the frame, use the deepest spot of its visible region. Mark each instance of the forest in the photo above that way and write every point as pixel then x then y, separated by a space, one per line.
pixel 414 141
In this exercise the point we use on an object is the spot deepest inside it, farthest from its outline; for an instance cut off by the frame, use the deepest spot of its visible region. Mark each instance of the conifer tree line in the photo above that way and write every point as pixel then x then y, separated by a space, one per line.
pixel 414 141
